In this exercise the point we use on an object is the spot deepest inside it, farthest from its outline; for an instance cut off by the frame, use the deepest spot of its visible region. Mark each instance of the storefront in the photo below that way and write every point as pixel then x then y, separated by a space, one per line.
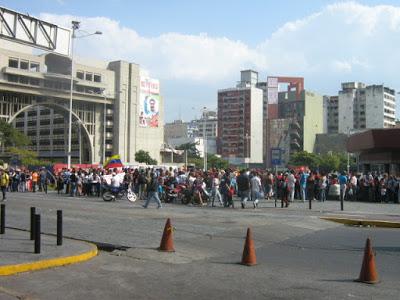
pixel 377 150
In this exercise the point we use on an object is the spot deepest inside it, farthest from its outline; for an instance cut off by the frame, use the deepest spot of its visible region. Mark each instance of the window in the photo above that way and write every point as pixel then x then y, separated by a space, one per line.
pixel 12 78
pixel 80 74
pixel 97 78
pixel 13 62
pixel 34 67
pixel 34 81
pixel 89 76
pixel 24 65
pixel 24 80
pixel 44 122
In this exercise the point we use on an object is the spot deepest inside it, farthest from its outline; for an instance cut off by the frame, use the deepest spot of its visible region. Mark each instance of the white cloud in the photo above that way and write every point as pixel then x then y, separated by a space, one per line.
pixel 343 41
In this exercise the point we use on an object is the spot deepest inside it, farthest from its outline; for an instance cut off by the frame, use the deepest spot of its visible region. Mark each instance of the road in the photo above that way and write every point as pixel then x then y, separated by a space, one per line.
pixel 299 256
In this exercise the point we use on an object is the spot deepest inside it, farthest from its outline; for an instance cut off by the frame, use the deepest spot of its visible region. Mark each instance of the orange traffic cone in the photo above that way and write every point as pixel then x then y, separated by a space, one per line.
pixel 368 272
pixel 167 241
pixel 249 253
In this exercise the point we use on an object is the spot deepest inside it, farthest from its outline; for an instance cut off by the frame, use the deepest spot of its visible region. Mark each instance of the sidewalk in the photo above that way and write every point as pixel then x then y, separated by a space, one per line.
pixel 17 252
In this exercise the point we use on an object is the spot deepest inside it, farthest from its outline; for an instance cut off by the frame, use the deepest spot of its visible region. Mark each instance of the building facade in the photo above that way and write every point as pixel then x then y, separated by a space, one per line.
pixel 114 112
pixel 363 107
pixel 240 121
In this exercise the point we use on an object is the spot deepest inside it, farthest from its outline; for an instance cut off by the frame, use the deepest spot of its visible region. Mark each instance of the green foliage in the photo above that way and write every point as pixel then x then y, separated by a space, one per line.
pixel 190 148
pixel 9 136
pixel 214 161
pixel 27 157
pixel 304 158
pixel 326 163
pixel 144 157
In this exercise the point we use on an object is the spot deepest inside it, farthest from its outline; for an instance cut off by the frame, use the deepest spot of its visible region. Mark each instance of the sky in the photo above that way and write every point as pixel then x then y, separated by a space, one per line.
pixel 197 47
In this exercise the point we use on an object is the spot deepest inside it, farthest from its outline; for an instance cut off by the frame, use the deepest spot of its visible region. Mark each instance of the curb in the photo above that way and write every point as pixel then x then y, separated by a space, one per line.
pixel 361 222
pixel 48 263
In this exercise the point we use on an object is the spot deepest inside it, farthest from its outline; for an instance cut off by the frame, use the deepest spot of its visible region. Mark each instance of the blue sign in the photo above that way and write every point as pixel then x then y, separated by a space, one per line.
pixel 276 156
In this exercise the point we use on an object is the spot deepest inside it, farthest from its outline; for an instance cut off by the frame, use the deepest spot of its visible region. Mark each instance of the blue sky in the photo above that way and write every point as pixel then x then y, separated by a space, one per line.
pixel 196 47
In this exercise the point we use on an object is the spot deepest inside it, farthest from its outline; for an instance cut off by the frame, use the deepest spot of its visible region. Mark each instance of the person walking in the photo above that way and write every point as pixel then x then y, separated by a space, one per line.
pixel 291 183
pixel 152 189
pixel 35 178
pixel 323 183
pixel 256 189
pixel 243 184
pixel 303 185
pixel 343 185
pixel 4 182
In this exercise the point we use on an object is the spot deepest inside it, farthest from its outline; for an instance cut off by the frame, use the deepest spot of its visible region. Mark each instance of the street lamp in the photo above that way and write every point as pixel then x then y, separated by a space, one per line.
pixel 204 116
pixel 75 27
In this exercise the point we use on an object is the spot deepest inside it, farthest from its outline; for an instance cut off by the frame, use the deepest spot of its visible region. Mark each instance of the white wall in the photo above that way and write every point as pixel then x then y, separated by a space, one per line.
pixel 256 141
pixel 345 118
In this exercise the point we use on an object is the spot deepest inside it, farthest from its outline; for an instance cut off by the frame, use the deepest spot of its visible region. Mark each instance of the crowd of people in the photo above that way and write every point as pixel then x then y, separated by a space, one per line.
pixel 208 188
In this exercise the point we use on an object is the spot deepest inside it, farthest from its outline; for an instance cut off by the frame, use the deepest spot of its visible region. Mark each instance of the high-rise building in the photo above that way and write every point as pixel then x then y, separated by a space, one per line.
pixel 116 110
pixel 300 119
pixel 332 114
pixel 363 107
pixel 240 121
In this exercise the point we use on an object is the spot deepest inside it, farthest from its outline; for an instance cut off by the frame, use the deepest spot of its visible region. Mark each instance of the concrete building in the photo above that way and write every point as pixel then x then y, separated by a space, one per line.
pixel 363 107
pixel 332 114
pixel 175 129
pixel 115 109
pixel 300 119
pixel 240 121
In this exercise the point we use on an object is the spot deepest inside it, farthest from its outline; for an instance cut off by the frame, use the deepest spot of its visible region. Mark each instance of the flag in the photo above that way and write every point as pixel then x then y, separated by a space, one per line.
pixel 113 162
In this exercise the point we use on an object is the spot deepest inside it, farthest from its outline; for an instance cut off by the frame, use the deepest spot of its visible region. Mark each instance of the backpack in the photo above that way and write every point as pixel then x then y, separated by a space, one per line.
pixel 142 179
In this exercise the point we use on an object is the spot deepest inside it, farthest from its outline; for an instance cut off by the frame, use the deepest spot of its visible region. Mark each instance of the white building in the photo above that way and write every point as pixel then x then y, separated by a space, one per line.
pixel 363 107
pixel 116 110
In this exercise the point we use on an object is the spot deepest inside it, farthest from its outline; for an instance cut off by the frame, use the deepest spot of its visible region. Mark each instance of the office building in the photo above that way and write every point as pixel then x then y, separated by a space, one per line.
pixel 240 121
pixel 116 109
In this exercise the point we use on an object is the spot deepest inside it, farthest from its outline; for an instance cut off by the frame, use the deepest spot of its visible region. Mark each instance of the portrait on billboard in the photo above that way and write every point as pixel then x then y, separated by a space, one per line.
pixel 149 102
pixel 149 111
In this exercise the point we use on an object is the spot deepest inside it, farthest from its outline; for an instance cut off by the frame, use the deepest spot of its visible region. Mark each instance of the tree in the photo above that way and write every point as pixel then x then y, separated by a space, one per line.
pixel 304 158
pixel 27 157
pixel 144 157
pixel 217 162
pixel 190 148
pixel 9 136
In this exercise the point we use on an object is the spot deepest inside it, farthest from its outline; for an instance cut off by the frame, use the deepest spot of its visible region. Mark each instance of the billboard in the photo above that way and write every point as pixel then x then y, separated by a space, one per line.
pixel 149 106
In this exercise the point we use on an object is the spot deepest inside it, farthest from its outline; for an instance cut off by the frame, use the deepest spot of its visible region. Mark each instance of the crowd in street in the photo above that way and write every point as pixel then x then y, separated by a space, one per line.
pixel 214 187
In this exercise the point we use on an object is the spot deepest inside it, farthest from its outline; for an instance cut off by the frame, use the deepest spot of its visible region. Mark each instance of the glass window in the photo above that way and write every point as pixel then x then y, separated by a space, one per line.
pixel 34 67
pixel 23 80
pixel 13 62
pixel 89 76
pixel 12 78
pixel 34 81
pixel 80 74
pixel 97 78
pixel 24 65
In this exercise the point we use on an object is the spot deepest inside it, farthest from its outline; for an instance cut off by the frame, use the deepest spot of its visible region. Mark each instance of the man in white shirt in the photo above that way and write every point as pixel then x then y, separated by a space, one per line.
pixel 291 184
pixel 256 189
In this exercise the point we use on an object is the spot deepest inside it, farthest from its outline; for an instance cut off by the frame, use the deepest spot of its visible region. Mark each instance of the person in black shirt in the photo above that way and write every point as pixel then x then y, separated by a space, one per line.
pixel 243 184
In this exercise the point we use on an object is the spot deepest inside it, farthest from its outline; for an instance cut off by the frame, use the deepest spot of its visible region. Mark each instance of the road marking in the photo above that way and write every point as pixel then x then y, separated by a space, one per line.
pixel 363 222
pixel 49 263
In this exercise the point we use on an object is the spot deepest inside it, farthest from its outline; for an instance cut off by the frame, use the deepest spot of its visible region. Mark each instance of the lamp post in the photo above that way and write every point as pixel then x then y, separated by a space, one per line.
pixel 75 27
pixel 205 137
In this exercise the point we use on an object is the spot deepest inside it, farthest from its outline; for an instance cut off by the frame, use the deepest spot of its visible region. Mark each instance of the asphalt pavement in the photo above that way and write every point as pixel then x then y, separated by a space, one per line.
pixel 299 256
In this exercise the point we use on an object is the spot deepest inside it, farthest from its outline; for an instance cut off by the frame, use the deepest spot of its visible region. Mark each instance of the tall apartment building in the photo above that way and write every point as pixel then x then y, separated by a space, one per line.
pixel 363 107
pixel 115 109
pixel 300 119
pixel 332 114
pixel 240 121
